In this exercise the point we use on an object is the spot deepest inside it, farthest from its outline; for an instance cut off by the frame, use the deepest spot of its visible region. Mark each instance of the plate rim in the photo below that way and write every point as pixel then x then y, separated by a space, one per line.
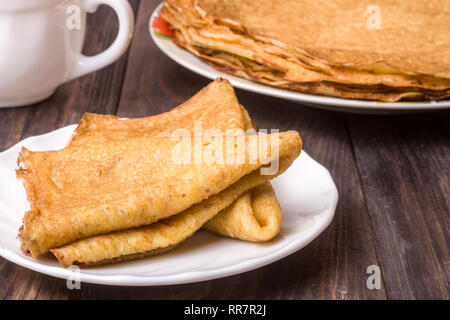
pixel 179 278
pixel 317 101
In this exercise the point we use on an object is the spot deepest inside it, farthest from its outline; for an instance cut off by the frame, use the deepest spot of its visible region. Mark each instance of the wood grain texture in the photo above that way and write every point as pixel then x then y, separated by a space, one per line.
pixel 404 162
pixel 392 175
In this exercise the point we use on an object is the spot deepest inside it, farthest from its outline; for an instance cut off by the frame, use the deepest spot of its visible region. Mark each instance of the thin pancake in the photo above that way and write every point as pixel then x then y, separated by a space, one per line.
pixel 255 216
pixel 345 37
pixel 87 190
pixel 214 107
pixel 228 45
pixel 168 232
pixel 202 108
pixel 373 92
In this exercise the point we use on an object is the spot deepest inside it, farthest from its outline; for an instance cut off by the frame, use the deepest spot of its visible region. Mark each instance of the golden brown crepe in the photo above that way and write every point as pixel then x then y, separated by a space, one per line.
pixel 167 233
pixel 214 107
pixel 255 216
pixel 201 108
pixel 122 190
pixel 288 45
pixel 390 88
pixel 336 31
pixel 87 190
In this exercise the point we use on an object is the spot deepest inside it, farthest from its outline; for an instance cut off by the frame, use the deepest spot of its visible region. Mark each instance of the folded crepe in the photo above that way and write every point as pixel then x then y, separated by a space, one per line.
pixel 165 234
pixel 214 107
pixel 255 216
pixel 82 191
pixel 287 45
pixel 118 200
pixel 247 220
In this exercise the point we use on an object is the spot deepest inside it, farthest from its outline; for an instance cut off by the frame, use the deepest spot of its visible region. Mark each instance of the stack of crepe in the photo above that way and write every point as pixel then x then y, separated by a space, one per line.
pixel 352 49
pixel 116 192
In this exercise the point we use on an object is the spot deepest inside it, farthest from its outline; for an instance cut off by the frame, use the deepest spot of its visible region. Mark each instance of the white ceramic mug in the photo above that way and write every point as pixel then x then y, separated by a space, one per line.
pixel 41 43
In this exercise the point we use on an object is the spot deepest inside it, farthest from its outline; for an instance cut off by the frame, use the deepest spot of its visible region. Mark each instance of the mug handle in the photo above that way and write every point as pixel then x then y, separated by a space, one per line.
pixel 125 15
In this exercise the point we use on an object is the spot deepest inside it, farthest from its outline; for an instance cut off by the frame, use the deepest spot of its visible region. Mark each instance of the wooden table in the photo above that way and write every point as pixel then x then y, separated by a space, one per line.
pixel 392 173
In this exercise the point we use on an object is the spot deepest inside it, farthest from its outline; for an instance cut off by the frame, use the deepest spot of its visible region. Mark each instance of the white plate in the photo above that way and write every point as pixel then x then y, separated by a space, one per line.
pixel 191 62
pixel 306 192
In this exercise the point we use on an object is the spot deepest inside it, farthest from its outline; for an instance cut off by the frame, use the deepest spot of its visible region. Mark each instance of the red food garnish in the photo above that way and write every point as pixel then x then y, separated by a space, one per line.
pixel 162 26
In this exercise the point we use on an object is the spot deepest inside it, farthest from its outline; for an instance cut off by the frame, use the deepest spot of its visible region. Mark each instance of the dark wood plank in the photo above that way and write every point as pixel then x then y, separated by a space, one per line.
pixel 22 283
pixel 97 92
pixel 12 122
pixel 334 265
pixel 56 289
pixel 404 162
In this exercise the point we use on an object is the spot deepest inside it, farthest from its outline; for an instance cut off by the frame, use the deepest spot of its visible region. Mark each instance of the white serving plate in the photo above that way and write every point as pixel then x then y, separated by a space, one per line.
pixel 306 192
pixel 191 62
